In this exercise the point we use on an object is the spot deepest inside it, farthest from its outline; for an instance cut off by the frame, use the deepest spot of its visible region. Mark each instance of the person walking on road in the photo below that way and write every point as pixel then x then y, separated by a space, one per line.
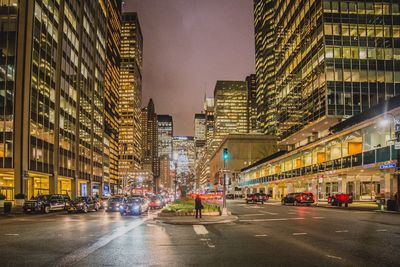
pixel 198 206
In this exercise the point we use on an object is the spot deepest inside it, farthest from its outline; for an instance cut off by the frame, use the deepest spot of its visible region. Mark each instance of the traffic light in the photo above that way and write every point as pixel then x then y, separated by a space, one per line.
pixel 226 154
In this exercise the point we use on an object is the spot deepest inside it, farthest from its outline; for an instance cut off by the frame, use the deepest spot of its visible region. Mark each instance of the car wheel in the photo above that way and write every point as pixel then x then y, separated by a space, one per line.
pixel 283 202
pixel 295 203
pixel 140 212
pixel 308 204
pixel 122 213
pixel 346 204
pixel 85 209
pixel 96 208
pixel 46 209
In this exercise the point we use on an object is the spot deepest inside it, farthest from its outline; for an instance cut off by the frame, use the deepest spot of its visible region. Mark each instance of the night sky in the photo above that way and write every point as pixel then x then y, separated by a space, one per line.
pixel 188 46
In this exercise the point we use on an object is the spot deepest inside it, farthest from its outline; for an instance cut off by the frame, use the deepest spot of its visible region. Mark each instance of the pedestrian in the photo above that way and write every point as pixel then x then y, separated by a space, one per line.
pixel 198 206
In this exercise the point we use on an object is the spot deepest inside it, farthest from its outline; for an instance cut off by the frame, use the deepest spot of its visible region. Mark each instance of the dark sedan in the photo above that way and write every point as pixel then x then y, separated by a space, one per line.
pixel 47 203
pixel 83 204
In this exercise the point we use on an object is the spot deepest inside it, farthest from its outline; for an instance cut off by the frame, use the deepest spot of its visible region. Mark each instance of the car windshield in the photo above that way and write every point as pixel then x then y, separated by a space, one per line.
pixel 134 200
pixel 116 199
pixel 41 197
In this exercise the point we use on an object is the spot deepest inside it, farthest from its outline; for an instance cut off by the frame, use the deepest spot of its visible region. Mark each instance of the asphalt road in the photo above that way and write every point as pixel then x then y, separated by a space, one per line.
pixel 268 235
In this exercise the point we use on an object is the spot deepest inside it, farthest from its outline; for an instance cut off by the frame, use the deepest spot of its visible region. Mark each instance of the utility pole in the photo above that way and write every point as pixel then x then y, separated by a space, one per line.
pixel 226 158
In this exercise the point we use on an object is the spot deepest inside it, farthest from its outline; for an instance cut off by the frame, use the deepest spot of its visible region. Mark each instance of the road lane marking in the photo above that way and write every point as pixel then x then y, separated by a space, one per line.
pixel 334 257
pixel 270 213
pixel 381 230
pixel 83 252
pixel 255 214
pixel 200 229
pixel 12 234
pixel 318 218
pixel 342 231
pixel 260 235
pixel 299 233
pixel 267 220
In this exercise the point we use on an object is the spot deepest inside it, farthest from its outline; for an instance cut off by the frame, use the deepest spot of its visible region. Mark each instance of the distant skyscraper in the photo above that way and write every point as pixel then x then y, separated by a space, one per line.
pixel 52 62
pixel 130 95
pixel 165 134
pixel 230 109
pixel 200 140
pixel 111 95
pixel 252 103
pixel 184 158
pixel 150 160
pixel 200 129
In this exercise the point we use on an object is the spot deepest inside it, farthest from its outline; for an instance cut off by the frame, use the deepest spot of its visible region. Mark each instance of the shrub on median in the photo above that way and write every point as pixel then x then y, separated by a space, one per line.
pixel 187 205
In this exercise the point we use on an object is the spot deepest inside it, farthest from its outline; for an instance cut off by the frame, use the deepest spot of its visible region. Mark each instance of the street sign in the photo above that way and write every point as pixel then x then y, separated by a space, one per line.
pixel 397 145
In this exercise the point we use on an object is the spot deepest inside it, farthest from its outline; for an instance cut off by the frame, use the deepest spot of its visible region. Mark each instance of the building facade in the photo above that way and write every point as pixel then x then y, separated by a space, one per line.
pixel 200 142
pixel 358 157
pixel 53 63
pixel 130 96
pixel 111 96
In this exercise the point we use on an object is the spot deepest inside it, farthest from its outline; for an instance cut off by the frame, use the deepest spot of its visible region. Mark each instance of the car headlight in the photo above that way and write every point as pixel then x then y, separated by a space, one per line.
pixel 117 204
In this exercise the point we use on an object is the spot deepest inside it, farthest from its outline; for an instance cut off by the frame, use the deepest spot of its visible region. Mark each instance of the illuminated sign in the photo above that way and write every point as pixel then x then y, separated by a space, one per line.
pixel 387 166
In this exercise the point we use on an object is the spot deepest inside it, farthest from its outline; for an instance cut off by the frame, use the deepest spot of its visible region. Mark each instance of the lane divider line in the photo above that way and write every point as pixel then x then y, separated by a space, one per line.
pixel 299 233
pixel 200 229
pixel 342 231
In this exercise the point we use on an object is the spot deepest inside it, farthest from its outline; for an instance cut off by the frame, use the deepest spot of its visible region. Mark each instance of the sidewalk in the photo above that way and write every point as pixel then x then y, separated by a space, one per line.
pixel 190 220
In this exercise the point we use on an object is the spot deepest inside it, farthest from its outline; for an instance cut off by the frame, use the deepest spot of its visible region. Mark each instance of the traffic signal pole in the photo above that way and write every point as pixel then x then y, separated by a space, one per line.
pixel 225 156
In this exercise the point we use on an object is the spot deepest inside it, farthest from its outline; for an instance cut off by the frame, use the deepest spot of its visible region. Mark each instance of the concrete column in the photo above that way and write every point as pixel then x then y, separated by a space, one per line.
pixel 342 185
pixel 53 184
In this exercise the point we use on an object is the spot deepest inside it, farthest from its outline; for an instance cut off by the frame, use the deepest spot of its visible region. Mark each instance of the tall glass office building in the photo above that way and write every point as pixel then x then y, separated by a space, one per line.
pixel 51 96
pixel 333 59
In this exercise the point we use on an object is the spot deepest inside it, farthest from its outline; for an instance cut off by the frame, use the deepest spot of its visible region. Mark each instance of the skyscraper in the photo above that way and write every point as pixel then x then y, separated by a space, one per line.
pixel 111 95
pixel 200 142
pixel 336 61
pixel 130 96
pixel 53 141
pixel 265 64
pixel 230 110
pixel 150 159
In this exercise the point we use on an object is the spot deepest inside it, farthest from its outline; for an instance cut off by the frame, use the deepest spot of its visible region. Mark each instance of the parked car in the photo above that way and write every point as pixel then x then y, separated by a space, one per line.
pixel 299 198
pixel 257 197
pixel 83 204
pixel 47 203
pixel 133 206
pixel 155 202
pixel 339 199
pixel 113 203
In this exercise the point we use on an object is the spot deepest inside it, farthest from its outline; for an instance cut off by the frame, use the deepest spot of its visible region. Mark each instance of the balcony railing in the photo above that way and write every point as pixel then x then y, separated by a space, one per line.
pixel 377 155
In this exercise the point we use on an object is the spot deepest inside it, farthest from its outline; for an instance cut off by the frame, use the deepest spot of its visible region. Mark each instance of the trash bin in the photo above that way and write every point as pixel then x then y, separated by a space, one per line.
pixel 7 207
pixel 391 205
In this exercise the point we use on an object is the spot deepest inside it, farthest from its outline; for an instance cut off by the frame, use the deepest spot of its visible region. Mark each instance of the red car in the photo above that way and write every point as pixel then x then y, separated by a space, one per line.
pixel 156 203
pixel 257 197
pixel 339 199
pixel 298 199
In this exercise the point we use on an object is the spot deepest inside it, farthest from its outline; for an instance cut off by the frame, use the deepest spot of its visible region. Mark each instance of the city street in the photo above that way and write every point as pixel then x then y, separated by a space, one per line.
pixel 268 235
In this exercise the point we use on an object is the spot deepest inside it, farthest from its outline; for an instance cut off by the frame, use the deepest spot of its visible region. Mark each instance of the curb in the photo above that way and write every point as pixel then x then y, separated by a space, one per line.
pixel 196 223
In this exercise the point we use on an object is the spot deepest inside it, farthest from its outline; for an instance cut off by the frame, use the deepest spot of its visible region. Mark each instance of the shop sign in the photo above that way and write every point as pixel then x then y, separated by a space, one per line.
pixel 387 166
